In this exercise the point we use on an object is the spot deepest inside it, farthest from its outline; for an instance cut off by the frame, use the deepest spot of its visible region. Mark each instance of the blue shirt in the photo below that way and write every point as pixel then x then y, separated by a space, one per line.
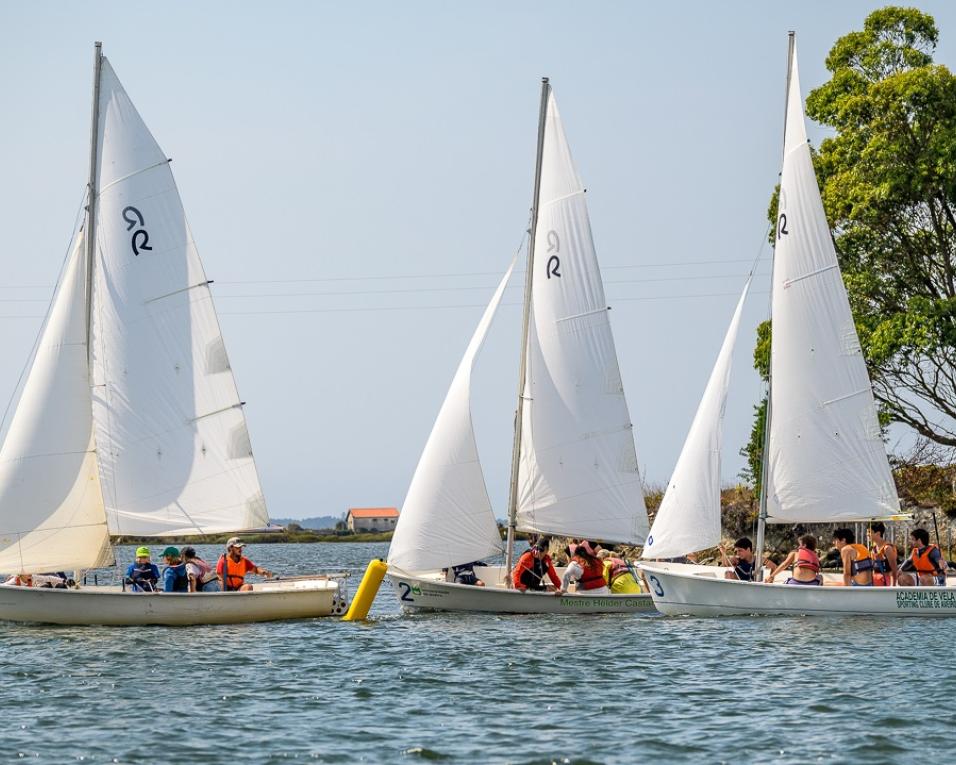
pixel 145 575
pixel 175 579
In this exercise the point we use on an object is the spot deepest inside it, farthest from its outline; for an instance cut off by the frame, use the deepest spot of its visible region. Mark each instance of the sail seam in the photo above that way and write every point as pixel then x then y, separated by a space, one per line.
pixel 819 271
pixel 134 173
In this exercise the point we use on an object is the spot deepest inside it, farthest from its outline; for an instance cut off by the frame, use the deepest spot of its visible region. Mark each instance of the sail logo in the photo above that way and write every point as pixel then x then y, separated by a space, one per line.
pixel 140 238
pixel 554 262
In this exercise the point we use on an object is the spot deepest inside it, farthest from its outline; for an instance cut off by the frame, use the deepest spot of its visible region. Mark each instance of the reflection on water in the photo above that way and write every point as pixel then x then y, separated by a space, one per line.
pixel 477 688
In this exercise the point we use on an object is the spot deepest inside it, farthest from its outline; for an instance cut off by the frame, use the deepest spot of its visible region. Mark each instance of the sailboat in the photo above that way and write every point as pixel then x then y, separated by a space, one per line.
pixel 824 458
pixel 574 465
pixel 129 422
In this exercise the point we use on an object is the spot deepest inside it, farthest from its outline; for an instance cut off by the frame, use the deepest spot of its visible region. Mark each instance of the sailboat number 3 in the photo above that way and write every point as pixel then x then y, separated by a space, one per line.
pixel 554 262
pixel 656 584
pixel 140 238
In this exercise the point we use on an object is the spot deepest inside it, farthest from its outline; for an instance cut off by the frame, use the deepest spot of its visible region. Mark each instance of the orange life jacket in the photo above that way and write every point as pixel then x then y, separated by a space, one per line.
pixel 234 574
pixel 593 576
pixel 807 559
pixel 922 562
pixel 863 560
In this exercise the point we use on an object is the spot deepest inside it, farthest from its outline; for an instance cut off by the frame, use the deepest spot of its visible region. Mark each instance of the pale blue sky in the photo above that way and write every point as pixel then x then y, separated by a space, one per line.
pixel 361 144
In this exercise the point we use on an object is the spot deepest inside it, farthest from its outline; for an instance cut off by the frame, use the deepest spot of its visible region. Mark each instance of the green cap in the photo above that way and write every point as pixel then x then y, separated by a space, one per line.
pixel 142 552
pixel 173 551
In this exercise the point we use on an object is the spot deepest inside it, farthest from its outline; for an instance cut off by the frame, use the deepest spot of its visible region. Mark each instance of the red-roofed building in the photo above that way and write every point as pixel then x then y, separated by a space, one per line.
pixel 372 518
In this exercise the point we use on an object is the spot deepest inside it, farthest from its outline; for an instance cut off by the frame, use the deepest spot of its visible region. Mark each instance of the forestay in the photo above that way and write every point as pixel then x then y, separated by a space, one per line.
pixel 827 461
pixel 689 516
pixel 447 518
pixel 51 507
pixel 578 473
pixel 174 451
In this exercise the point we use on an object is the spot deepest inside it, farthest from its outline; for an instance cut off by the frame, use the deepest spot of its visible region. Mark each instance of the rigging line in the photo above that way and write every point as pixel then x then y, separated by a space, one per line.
pixel 46 316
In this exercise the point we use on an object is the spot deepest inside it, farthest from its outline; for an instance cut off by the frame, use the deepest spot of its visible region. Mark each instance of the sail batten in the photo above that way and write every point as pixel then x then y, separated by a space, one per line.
pixel 577 472
pixel 826 458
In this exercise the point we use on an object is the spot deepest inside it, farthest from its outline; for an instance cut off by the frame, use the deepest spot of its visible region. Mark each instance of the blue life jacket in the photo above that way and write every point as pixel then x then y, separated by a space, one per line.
pixel 175 578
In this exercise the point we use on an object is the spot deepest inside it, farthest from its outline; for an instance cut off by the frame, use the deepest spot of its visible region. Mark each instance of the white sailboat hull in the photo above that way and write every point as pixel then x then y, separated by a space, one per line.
pixel 681 590
pixel 429 592
pixel 270 601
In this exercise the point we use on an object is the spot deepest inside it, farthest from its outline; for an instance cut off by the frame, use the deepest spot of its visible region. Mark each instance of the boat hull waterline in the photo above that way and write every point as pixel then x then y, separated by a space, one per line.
pixel 424 593
pixel 300 599
pixel 690 591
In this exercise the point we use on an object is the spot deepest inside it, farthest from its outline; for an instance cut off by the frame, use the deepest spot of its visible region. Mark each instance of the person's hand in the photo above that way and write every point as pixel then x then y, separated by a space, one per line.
pixel 559 593
pixel 770 579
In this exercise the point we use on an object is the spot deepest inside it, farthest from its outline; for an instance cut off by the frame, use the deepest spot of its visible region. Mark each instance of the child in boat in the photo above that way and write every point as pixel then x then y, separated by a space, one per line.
pixel 806 564
pixel 618 575
pixel 532 567
pixel 925 567
pixel 142 575
pixel 586 569
pixel 885 569
pixel 201 576
pixel 175 578
pixel 742 561
pixel 857 563
pixel 465 574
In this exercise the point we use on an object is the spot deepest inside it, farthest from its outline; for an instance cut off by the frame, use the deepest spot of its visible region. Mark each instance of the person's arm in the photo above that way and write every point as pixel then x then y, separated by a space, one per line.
pixel 892 564
pixel 169 579
pixel 516 574
pixel 791 556
pixel 845 554
pixel 724 560
pixel 573 571
pixel 936 558
pixel 553 575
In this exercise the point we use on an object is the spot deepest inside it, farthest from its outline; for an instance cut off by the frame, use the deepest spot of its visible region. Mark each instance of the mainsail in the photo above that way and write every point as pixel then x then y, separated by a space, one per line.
pixel 827 461
pixel 51 507
pixel 447 518
pixel 578 474
pixel 689 516
pixel 174 452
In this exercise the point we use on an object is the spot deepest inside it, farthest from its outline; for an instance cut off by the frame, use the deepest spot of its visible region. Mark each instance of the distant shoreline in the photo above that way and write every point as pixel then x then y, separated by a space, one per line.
pixel 273 537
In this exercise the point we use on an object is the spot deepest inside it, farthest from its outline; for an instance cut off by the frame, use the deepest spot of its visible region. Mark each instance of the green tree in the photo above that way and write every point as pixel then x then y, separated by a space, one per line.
pixel 888 181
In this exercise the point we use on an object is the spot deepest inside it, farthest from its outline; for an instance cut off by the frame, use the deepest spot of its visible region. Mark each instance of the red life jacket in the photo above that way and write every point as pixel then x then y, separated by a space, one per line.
pixel 922 562
pixel 593 576
pixel 807 559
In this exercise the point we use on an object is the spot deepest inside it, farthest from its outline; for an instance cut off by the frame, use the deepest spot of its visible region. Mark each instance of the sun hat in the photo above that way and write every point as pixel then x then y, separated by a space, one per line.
pixel 142 552
pixel 171 552
pixel 235 542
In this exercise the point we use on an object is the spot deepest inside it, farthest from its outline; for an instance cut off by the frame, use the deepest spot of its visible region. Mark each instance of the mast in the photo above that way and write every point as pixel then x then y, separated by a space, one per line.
pixel 91 196
pixel 762 517
pixel 523 361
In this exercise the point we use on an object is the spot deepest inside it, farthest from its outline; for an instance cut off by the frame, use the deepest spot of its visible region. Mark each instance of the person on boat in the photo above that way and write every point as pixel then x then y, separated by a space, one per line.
pixel 741 563
pixel 233 567
pixel 586 569
pixel 806 564
pixel 36 580
pixel 885 568
pixel 201 576
pixel 465 574
pixel 618 575
pixel 925 567
pixel 142 575
pixel 857 563
pixel 532 567
pixel 175 578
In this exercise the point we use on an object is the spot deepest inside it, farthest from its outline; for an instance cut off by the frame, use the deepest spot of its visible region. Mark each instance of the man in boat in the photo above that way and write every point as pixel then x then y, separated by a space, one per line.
pixel 618 575
pixel 233 567
pixel 201 576
pixel 885 569
pixel 533 565
pixel 465 574
pixel 925 567
pixel 175 578
pixel 586 569
pixel 142 575
pixel 741 562
pixel 806 564
pixel 857 563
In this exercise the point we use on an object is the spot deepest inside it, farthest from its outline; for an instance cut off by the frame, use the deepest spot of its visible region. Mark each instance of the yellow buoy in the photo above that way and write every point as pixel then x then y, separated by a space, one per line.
pixel 367 591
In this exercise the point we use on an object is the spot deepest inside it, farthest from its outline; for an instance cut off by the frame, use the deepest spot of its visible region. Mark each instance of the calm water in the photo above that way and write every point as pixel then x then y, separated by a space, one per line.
pixel 460 688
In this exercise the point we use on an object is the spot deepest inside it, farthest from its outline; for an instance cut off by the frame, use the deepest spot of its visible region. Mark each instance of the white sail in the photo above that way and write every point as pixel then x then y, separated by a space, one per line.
pixel 689 516
pixel 174 451
pixel 51 507
pixel 827 461
pixel 447 518
pixel 578 473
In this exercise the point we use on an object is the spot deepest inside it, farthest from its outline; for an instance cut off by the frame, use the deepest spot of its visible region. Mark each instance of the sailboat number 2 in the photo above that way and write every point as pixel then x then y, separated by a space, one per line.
pixel 554 262
pixel 782 225
pixel 140 239
pixel 406 589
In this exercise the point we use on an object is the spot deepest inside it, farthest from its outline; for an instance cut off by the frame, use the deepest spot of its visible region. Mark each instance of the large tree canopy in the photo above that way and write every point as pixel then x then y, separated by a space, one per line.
pixel 888 181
